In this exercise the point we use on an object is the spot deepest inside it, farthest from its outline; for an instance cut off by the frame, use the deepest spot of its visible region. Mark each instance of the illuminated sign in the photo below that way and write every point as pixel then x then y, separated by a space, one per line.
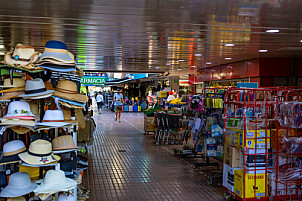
pixel 93 81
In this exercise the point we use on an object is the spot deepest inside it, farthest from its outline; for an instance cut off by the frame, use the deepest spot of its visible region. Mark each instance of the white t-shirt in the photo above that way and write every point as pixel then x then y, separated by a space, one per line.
pixel 99 98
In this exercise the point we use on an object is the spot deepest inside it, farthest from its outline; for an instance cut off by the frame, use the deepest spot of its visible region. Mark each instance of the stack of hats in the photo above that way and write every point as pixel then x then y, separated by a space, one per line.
pixel 22 58
pixel 67 93
pixel 35 89
pixel 12 90
pixel 10 152
pixel 56 57
pixel 19 114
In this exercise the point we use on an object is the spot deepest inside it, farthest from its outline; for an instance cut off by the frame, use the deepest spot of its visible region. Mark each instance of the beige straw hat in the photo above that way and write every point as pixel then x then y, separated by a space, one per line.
pixel 68 90
pixel 39 153
pixel 21 198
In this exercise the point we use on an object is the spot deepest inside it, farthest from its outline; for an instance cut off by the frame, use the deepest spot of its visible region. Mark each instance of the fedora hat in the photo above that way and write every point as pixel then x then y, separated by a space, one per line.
pixel 68 90
pixel 39 153
pixel 64 143
pixel 19 184
pixel 22 56
pixel 56 50
pixel 54 181
pixel 21 198
pixel 53 118
pixel 11 150
pixel 35 89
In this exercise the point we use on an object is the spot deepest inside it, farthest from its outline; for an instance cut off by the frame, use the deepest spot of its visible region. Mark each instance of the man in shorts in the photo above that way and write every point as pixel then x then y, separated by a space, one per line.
pixel 118 104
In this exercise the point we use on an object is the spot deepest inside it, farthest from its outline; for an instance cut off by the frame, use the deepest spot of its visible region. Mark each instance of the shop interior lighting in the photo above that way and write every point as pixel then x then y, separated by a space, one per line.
pixel 272 31
pixel 229 45
pixel 263 50
pixel 300 41
pixel 208 63
pixel 2 53
pixel 168 64
pixel 193 66
pixel 181 60
pixel 198 55
pixel 179 69
pixel 227 58
pixel 157 67
pixel 1 46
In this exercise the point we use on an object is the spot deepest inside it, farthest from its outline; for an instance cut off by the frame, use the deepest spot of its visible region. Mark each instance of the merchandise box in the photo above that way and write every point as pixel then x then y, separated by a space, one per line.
pixel 228 136
pixel 231 156
pixel 250 159
pixel 247 182
pixel 233 123
pixel 228 177
pixel 251 140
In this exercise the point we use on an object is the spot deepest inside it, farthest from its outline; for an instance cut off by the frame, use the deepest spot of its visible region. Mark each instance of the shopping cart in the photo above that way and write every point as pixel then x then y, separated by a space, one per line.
pixel 173 125
pixel 160 128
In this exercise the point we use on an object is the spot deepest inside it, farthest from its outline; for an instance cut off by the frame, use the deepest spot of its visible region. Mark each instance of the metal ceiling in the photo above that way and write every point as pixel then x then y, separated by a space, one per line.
pixel 155 35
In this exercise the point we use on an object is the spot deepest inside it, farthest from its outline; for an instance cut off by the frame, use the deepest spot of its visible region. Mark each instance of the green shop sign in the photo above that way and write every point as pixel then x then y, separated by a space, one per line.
pixel 93 81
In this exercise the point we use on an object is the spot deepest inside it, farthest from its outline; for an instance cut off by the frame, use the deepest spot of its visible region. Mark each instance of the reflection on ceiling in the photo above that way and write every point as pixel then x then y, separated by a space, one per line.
pixel 156 35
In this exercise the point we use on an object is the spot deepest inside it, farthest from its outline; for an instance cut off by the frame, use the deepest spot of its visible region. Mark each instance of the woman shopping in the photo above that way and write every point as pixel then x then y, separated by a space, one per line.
pixel 100 101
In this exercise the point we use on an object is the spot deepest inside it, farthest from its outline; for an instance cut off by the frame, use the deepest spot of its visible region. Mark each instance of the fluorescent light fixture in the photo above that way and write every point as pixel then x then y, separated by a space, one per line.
pixel 1 46
pixel 157 67
pixel 181 60
pixel 193 66
pixel 227 58
pixel 272 31
pixel 179 69
pixel 2 53
pixel 263 50
pixel 198 55
pixel 229 45
pixel 168 64
pixel 208 63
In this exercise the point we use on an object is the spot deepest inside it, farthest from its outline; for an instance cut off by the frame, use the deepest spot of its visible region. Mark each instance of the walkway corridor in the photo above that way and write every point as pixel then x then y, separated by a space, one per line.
pixel 125 165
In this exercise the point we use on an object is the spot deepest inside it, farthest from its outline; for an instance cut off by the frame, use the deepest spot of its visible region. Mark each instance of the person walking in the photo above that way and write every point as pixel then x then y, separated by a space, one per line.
pixel 100 101
pixel 118 104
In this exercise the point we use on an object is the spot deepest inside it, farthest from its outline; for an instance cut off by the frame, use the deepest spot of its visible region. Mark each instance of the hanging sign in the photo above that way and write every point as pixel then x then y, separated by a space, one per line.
pixel 93 80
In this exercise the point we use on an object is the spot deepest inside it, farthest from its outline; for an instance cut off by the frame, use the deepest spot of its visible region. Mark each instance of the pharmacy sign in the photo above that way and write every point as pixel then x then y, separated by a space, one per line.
pixel 93 80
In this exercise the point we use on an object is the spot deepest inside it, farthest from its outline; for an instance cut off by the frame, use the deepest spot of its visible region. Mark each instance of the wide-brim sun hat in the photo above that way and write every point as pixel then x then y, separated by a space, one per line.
pixel 19 184
pixel 18 108
pixel 55 181
pixel 39 153
pixel 17 122
pixel 63 144
pixel 68 90
pixel 35 89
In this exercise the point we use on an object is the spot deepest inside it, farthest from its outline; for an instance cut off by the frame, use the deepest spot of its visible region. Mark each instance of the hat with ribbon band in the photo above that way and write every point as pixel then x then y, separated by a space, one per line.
pixel 39 153
pixel 35 89
pixel 11 150
pixel 67 89
pixel 22 55
pixel 53 118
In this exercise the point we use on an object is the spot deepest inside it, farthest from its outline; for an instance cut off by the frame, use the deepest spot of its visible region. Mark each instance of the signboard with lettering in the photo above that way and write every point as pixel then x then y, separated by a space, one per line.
pixel 93 80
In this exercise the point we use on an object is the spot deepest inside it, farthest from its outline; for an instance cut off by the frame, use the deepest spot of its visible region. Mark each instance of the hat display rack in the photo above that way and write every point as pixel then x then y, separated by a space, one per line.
pixel 39 124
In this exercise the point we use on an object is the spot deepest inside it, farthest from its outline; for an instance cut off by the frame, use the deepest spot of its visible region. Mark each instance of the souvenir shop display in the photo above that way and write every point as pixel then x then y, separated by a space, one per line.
pixel 40 122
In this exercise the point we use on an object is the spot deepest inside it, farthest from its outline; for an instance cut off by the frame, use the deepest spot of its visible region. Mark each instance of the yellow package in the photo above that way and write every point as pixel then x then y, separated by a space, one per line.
pixel 251 139
pixel 247 182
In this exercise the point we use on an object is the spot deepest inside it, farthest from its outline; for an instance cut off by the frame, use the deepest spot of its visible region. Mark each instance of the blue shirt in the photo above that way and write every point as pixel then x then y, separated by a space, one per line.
pixel 118 96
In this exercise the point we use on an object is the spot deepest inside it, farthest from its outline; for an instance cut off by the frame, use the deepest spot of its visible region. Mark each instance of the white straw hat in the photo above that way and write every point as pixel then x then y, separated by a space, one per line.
pixel 19 184
pixel 55 181
pixel 39 153
pixel 18 108
pixel 53 118
pixel 11 150
pixel 35 89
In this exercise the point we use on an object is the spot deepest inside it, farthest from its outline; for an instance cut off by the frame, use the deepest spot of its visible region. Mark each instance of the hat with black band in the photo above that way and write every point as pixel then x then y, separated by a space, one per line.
pixel 39 153
pixel 35 89
pixel 11 150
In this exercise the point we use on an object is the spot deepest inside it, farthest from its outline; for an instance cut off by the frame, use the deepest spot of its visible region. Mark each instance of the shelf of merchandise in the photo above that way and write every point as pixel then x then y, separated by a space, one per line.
pixel 288 146
pixel 252 110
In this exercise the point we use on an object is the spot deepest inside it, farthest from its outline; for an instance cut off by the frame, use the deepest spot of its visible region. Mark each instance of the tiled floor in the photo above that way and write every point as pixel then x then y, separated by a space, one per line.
pixel 125 165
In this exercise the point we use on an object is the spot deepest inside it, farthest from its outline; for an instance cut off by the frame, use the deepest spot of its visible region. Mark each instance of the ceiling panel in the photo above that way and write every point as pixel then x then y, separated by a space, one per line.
pixel 156 34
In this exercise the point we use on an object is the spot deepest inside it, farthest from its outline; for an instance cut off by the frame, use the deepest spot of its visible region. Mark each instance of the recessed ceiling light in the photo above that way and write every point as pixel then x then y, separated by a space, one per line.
pixel 198 55
pixel 263 50
pixel 168 64
pixel 193 66
pixel 272 31
pixel 181 60
pixel 229 45
pixel 228 58
pixel 208 63
pixel 179 69
pixel 157 67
